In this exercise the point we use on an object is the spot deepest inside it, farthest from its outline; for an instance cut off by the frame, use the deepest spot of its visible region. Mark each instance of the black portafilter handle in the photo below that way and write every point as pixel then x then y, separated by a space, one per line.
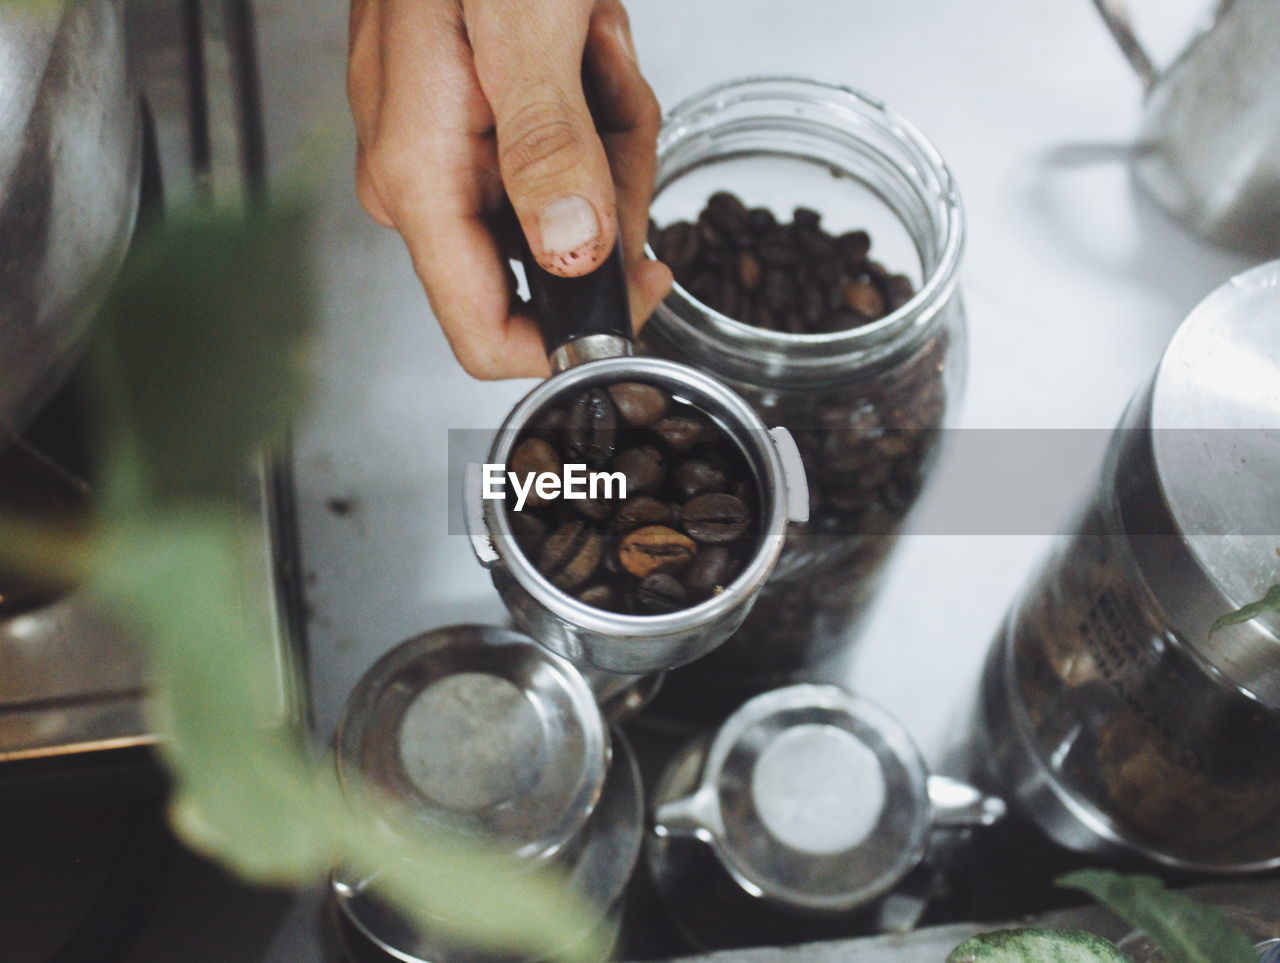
pixel 568 309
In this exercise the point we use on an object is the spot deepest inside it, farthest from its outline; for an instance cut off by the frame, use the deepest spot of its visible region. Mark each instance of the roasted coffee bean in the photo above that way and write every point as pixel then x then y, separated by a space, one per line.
pixel 534 456
pixel 805 217
pixel 680 433
pixel 729 216
pixel 529 530
pixel 641 511
pixel 600 596
pixel 853 249
pixel 813 306
pixel 865 298
pixel 816 246
pixel 761 220
pixel 639 404
pixel 699 475
pixel 716 518
pixel 776 290
pixel 597 509
pixel 550 425
pixel 711 571
pixel 660 593
pixel 748 270
pixel 592 427
pixel 655 548
pixel 778 251
pixel 898 291
pixel 679 246
pixel 644 468
pixel 571 554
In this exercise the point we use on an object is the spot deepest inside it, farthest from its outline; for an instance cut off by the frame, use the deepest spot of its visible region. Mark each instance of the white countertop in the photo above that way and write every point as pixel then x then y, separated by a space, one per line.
pixel 1073 282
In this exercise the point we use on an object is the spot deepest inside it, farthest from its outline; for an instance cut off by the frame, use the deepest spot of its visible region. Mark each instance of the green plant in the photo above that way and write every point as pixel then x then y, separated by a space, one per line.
pixel 199 361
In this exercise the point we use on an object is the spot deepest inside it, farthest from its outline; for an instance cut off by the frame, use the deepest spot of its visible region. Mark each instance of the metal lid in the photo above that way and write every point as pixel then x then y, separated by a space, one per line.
pixel 812 797
pixel 480 729
pixel 1213 408
pixel 600 869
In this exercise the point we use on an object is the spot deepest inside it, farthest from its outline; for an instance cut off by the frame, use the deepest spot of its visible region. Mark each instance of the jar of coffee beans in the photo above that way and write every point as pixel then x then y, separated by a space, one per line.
pixel 815 237
pixel 1131 702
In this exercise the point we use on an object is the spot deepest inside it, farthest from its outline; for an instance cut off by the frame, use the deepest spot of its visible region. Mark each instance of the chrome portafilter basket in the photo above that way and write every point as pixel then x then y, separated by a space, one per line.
pixel 586 327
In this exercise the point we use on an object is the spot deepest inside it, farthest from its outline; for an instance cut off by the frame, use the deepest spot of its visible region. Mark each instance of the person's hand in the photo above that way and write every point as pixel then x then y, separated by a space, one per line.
pixel 460 102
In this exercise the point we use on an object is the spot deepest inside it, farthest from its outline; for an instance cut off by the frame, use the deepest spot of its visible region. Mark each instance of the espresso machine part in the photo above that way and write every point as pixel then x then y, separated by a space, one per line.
pixel 587 330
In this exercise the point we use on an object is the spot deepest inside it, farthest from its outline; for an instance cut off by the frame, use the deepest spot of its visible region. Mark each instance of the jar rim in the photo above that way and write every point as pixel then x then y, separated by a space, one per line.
pixel 937 283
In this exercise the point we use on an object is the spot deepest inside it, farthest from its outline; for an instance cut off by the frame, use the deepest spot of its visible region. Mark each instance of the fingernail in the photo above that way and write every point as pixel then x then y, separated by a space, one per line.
pixel 568 224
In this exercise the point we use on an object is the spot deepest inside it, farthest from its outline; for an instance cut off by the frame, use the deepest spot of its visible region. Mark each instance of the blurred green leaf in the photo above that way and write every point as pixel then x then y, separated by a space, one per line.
pixel 198 363
pixel 1036 946
pixel 1186 931
pixel 1268 603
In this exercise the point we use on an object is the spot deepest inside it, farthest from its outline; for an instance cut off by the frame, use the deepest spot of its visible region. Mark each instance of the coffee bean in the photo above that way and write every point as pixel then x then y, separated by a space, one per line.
pixel 679 246
pixel 806 217
pixel 655 548
pixel 641 511
pixel 571 554
pixel 711 571
pixel 528 529
pixel 715 519
pixel 898 291
pixel 853 249
pixel 600 596
pixel 865 298
pixel 534 456
pixel 644 468
pixel 698 475
pixel 748 271
pixel 597 509
pixel 601 549
pixel 680 433
pixel 592 428
pixel 778 252
pixel 761 220
pixel 660 593
pixel 639 404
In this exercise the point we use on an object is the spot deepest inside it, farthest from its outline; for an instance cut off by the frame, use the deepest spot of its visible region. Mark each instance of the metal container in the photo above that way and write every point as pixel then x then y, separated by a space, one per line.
pixel 864 405
pixel 1209 149
pixel 478 729
pixel 1115 713
pixel 70 163
pixel 481 728
pixel 796 818
pixel 574 315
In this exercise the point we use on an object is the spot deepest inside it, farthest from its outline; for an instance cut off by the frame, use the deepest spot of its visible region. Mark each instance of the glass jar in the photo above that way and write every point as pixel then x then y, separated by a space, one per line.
pixel 1118 712
pixel 865 404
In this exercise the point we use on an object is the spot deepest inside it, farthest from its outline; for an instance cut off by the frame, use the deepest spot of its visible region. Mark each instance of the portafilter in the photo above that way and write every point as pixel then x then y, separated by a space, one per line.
pixel 586 327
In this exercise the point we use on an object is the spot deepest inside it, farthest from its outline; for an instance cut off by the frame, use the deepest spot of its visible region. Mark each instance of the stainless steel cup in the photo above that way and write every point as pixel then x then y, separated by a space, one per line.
pixel 587 331
pixel 480 729
pixel 803 810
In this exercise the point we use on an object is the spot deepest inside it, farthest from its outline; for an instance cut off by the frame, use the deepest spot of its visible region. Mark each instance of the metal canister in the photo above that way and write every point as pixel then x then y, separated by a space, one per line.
pixel 1118 710
pixel 798 818
pixel 478 728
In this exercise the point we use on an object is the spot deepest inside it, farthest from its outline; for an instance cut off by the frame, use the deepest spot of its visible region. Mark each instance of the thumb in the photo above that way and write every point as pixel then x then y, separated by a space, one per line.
pixel 528 60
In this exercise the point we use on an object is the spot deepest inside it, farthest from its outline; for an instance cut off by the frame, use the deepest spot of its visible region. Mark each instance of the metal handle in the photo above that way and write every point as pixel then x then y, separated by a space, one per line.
pixel 473 517
pixel 794 476
pixel 1115 14
pixel 696 815
pixel 957 805
pixel 581 319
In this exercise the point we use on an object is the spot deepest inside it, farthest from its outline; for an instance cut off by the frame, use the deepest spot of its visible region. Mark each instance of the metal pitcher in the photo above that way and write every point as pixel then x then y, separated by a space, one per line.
pixel 1209 150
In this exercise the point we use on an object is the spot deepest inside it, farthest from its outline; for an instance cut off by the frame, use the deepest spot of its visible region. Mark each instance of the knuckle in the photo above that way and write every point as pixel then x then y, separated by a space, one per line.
pixel 542 140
